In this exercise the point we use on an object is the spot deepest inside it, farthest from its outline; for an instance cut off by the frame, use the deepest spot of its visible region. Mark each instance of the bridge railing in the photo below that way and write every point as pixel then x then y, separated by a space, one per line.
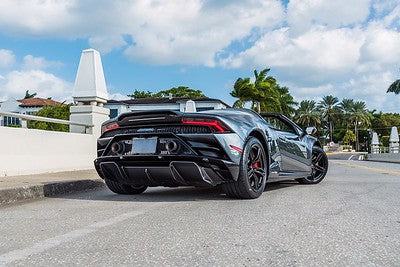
pixel 24 118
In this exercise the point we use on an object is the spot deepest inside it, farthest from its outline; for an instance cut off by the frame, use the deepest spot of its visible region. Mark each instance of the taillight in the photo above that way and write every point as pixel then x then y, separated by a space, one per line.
pixel 216 125
pixel 109 127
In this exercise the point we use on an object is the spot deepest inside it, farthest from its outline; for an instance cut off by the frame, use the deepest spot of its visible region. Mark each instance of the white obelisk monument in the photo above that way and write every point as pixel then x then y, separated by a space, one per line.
pixel 90 93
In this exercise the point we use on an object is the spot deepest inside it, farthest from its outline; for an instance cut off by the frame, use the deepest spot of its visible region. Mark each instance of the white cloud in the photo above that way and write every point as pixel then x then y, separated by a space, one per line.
pixel 303 14
pixel 37 63
pixel 162 32
pixel 15 83
pixel 381 45
pixel 106 44
pixel 7 58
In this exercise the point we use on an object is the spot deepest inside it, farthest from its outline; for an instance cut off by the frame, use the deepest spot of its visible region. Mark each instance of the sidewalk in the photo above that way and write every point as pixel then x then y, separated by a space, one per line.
pixel 19 188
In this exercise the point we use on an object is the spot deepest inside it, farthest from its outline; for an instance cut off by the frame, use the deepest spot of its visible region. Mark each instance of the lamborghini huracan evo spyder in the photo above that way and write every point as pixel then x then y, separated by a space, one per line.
pixel 237 149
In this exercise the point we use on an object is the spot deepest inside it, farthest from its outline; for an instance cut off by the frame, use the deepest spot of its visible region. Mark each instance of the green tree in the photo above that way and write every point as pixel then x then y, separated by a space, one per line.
pixel 28 95
pixel 349 137
pixel 346 105
pixel 180 91
pixel 242 89
pixel 394 87
pixel 141 94
pixel 286 102
pixel 359 117
pixel 307 114
pixel 330 112
pixel 56 112
pixel 263 94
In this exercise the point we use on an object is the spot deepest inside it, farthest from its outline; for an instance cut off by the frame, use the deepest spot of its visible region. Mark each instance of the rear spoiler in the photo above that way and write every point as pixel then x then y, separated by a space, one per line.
pixel 165 117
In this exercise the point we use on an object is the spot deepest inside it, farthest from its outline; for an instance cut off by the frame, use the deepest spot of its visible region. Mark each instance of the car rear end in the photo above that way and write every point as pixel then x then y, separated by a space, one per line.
pixel 168 148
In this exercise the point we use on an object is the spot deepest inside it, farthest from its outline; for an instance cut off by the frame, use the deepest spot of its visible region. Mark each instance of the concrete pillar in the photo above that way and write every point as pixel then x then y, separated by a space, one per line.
pixel 394 140
pixel 89 115
pixel 375 143
pixel 90 93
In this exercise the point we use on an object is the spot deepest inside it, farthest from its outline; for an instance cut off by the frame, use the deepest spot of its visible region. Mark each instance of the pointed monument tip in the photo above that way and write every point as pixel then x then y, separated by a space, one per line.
pixel 90 50
pixel 394 135
pixel 90 84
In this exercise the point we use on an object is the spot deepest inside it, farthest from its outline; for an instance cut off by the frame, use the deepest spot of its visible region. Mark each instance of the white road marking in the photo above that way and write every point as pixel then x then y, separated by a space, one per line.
pixel 350 157
pixel 20 254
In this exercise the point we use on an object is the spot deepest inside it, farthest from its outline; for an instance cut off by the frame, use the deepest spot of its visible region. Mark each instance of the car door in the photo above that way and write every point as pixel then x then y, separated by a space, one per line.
pixel 294 154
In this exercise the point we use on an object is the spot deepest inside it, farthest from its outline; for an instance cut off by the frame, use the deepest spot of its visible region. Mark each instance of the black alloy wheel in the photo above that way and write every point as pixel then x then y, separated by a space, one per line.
pixel 319 167
pixel 256 167
pixel 252 173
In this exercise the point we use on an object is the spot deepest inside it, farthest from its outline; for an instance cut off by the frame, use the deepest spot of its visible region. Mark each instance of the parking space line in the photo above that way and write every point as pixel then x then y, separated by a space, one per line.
pixel 41 246
pixel 365 167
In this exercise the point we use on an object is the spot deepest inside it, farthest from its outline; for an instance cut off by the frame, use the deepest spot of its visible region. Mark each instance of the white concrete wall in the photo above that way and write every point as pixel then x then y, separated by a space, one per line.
pixel 30 151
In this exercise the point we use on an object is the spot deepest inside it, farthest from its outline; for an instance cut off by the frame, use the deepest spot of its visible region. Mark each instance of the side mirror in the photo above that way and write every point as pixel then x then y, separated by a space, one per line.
pixel 311 130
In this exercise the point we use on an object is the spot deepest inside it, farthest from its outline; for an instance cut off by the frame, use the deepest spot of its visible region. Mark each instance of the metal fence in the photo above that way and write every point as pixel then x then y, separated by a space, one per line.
pixel 25 118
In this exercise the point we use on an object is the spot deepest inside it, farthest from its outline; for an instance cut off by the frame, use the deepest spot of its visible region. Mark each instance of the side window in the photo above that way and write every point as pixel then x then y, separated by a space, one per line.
pixel 280 125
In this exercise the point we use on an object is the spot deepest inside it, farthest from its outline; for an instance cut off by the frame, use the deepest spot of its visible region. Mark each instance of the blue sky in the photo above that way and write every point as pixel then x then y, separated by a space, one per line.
pixel 346 48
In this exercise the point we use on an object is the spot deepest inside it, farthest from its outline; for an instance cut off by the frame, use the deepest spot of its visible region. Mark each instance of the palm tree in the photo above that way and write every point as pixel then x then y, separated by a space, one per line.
pixel 265 96
pixel 330 111
pixel 394 87
pixel 286 101
pixel 347 107
pixel 262 94
pixel 307 114
pixel 29 95
pixel 242 90
pixel 359 116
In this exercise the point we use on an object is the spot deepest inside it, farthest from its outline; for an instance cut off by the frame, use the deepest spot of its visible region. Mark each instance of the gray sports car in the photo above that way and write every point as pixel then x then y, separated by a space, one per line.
pixel 237 149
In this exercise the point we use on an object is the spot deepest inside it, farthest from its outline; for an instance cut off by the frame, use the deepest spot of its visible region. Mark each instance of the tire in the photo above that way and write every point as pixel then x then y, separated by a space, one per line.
pixel 252 172
pixel 123 188
pixel 319 167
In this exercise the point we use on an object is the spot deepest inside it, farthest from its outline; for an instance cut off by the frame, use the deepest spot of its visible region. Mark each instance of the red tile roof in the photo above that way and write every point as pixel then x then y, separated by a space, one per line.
pixel 38 102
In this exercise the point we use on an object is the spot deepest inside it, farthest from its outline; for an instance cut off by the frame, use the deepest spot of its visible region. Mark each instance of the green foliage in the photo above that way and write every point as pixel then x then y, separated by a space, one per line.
pixel 28 95
pixel 55 112
pixel 394 87
pixel 264 95
pixel 307 114
pixel 141 94
pixel 330 112
pixel 383 122
pixel 349 137
pixel 385 140
pixel 14 125
pixel 181 91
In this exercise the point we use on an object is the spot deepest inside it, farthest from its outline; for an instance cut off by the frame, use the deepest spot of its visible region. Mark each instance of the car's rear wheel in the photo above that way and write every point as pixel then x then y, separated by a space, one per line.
pixel 123 188
pixel 252 173
pixel 319 167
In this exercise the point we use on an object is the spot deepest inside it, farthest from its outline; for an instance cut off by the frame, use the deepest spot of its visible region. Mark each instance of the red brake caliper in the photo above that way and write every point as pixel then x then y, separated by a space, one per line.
pixel 255 165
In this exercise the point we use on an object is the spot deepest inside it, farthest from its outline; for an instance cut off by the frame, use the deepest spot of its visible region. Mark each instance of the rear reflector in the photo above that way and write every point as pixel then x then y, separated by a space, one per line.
pixel 214 124
pixel 109 127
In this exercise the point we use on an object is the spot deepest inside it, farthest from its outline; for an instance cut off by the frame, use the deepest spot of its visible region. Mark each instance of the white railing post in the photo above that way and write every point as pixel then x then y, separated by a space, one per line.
pixel 375 144
pixel 394 140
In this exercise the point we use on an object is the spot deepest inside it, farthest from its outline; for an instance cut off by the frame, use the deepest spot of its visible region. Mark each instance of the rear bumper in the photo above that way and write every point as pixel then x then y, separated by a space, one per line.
pixel 166 170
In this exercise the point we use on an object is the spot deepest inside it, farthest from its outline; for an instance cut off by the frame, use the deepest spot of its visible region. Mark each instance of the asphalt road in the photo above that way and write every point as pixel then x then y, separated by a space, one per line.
pixel 351 218
pixel 346 156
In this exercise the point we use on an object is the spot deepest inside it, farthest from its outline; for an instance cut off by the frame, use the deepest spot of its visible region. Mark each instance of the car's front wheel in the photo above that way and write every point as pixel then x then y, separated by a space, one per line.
pixel 319 167
pixel 252 173
pixel 123 188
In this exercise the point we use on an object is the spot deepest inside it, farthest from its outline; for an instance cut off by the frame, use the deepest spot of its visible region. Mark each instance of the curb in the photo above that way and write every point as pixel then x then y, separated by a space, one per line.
pixel 19 194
